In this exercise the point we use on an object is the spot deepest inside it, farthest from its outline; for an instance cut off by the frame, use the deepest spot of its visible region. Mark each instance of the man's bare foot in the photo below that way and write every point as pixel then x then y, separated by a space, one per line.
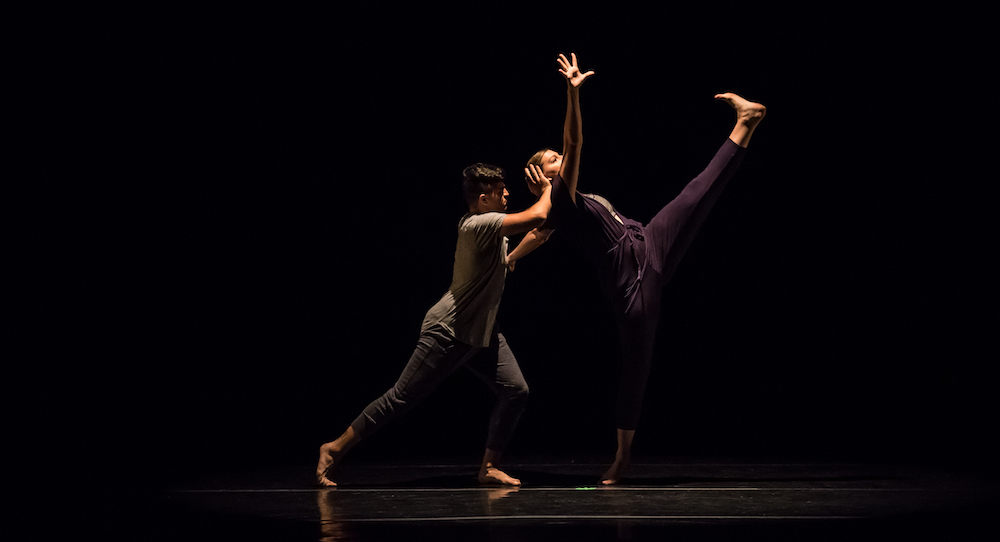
pixel 615 472
pixel 330 455
pixel 494 476
pixel 327 458
pixel 748 115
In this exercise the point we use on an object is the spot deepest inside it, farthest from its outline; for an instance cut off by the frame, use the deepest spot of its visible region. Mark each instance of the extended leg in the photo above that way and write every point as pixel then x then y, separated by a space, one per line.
pixel 671 231
pixel 331 453
pixel 748 115
pixel 435 357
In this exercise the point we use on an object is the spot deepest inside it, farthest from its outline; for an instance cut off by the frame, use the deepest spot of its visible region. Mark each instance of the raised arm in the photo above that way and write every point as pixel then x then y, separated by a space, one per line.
pixel 573 126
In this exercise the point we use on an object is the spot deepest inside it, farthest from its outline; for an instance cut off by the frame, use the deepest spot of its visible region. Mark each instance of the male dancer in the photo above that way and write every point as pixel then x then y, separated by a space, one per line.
pixel 461 329
pixel 634 261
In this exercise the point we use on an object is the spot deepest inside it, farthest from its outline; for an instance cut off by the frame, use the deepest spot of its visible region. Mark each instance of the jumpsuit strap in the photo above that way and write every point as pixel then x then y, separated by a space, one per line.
pixel 633 288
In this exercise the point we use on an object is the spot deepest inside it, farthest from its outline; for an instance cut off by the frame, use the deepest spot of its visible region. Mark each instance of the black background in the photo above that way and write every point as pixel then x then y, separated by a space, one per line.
pixel 241 216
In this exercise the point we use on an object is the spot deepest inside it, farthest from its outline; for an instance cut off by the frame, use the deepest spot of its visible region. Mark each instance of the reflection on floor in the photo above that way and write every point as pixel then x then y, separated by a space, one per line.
pixel 658 501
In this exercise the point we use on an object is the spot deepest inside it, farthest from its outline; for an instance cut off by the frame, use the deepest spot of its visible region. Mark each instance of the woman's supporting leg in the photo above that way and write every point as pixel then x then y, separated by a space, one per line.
pixel 636 336
pixel 622 457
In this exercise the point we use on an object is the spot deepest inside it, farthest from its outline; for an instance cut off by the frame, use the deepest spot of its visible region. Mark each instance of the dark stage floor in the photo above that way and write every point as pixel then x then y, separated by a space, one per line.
pixel 660 501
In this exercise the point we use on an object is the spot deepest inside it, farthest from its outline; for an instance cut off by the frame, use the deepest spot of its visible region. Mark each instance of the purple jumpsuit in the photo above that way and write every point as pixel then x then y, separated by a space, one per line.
pixel 634 261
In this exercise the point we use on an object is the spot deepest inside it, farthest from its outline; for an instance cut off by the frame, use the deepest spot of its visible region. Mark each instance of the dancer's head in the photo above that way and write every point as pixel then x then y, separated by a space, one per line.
pixel 484 188
pixel 549 160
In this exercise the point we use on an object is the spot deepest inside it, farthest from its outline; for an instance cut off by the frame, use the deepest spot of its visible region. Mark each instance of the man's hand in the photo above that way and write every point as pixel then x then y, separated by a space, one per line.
pixel 574 77
pixel 537 182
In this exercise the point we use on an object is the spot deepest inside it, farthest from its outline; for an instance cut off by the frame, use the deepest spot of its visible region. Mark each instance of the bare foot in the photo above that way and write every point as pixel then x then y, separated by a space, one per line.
pixel 748 115
pixel 327 458
pixel 615 472
pixel 746 111
pixel 495 476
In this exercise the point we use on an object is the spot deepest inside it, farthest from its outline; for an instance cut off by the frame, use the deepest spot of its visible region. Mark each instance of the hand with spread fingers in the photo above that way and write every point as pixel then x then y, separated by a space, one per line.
pixel 574 77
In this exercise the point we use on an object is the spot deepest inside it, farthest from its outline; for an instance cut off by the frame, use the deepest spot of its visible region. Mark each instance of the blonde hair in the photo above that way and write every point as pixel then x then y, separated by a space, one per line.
pixel 537 157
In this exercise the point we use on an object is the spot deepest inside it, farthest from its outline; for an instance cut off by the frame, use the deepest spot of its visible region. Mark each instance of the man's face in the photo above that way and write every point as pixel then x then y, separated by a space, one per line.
pixel 497 200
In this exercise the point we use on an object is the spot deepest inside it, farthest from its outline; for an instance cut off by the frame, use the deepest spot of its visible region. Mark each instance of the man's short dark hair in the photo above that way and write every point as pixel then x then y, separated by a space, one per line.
pixel 479 179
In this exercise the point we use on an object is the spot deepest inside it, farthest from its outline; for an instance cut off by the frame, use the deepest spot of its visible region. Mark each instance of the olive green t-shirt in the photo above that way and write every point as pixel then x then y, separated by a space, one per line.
pixel 468 310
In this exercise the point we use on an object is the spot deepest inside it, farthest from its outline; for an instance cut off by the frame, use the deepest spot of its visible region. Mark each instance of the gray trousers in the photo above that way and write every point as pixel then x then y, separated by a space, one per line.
pixel 436 356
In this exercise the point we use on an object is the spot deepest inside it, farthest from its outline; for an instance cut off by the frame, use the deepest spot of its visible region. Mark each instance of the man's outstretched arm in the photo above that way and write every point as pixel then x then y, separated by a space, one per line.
pixel 532 240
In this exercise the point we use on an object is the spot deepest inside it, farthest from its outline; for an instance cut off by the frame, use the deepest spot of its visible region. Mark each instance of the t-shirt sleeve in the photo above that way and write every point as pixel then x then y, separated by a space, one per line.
pixel 485 228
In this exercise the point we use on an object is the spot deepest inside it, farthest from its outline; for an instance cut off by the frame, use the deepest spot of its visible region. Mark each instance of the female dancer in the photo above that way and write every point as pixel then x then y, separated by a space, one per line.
pixel 634 261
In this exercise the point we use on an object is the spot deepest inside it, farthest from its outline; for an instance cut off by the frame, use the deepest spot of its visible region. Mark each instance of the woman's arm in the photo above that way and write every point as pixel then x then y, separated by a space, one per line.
pixel 573 126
